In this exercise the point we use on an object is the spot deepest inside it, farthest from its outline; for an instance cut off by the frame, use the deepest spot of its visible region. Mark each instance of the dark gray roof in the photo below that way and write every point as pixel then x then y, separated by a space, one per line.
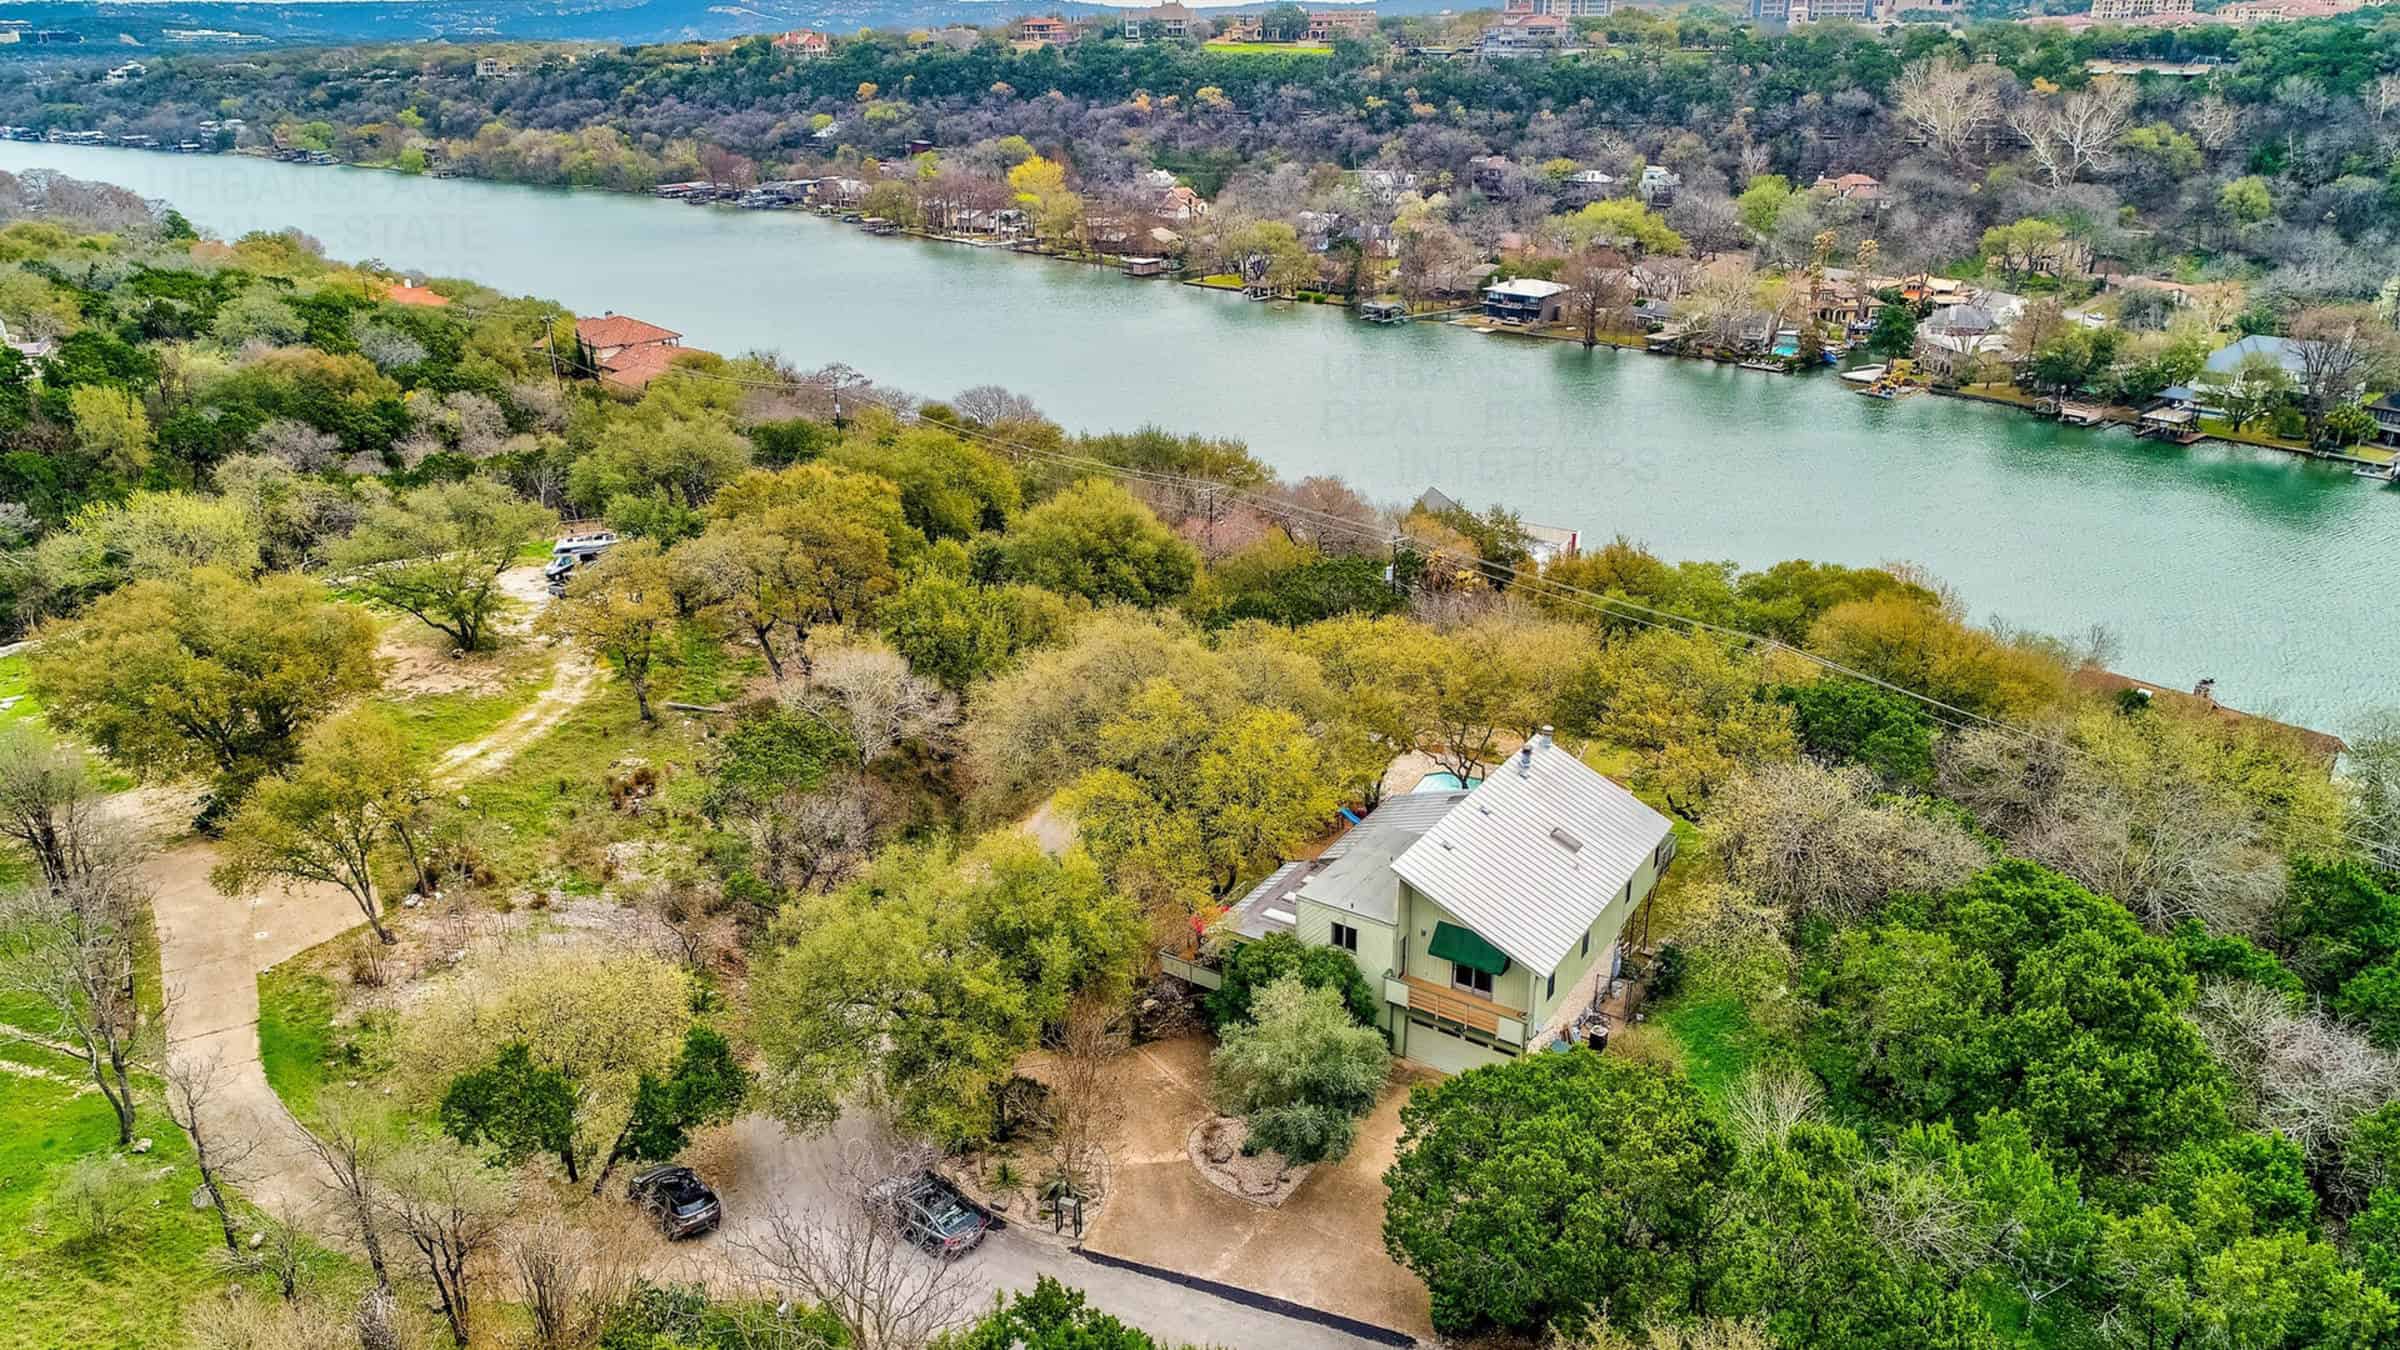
pixel 1353 874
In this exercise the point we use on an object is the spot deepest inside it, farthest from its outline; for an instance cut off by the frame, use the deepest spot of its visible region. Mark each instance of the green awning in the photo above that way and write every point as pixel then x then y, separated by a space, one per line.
pixel 1465 947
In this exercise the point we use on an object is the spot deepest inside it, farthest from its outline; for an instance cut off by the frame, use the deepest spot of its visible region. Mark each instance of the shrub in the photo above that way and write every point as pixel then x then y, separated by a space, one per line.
pixel 1252 966
pixel 1301 1074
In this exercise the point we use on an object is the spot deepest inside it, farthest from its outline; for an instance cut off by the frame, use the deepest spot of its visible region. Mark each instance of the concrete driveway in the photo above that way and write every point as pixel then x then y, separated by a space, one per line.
pixel 1323 1248
pixel 758 1165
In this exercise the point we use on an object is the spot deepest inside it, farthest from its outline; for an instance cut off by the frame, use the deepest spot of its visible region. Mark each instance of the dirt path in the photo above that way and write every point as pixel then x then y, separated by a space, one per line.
pixel 212 949
pixel 571 682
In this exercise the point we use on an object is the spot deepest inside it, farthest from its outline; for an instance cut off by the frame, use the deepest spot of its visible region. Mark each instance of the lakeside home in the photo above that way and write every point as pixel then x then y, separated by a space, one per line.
pixel 1495 920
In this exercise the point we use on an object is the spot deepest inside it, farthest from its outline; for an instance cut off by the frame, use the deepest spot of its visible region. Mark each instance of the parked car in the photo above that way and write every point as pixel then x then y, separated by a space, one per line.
pixel 934 1214
pixel 573 552
pixel 677 1199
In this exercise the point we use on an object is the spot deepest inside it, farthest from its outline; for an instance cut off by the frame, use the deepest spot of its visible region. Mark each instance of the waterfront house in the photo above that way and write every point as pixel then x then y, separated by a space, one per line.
pixel 2322 745
pixel 131 70
pixel 1181 203
pixel 1585 186
pixel 804 43
pixel 1657 186
pixel 2386 412
pixel 1046 30
pixel 1492 919
pixel 622 350
pixel 1324 25
pixel 1523 300
pixel 494 68
pixel 2225 363
pixel 1170 20
pixel 1524 34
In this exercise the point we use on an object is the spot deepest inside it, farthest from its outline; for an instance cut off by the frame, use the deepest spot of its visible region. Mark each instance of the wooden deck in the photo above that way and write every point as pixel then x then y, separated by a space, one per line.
pixel 1451 1005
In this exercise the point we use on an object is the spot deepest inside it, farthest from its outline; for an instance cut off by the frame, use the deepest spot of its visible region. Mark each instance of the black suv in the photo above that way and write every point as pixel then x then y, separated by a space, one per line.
pixel 934 1214
pixel 678 1199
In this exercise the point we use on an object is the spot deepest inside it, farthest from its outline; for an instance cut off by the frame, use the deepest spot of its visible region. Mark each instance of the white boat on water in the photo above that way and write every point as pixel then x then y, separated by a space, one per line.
pixel 1864 374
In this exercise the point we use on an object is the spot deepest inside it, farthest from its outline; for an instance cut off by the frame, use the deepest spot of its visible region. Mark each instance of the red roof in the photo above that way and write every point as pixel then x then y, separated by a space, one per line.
pixel 2323 744
pixel 621 330
pixel 415 295
pixel 636 367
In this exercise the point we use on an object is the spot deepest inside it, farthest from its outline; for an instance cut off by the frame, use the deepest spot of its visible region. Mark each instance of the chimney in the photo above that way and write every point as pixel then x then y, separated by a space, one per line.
pixel 1525 761
pixel 1541 739
pixel 2206 690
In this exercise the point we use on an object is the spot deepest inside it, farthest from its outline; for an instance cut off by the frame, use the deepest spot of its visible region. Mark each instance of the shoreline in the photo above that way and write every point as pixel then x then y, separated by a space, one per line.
pixel 2387 470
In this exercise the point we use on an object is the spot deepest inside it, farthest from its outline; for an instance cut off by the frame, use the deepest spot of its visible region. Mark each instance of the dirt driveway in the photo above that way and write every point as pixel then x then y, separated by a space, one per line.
pixel 1323 1248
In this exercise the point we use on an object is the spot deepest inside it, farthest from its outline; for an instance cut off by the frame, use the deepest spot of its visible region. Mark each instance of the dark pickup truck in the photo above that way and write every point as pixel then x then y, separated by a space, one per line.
pixel 934 1214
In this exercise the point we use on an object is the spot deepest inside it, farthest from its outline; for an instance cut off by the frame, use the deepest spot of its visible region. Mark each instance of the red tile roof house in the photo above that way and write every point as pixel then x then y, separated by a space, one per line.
pixel 626 351
pixel 803 42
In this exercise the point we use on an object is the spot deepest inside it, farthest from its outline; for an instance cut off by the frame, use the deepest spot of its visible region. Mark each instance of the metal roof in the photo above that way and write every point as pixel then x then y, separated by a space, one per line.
pixel 1534 853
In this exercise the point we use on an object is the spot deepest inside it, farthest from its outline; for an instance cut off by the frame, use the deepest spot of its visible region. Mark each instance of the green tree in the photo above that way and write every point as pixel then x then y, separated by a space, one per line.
pixel 111 429
pixel 707 1086
pixel 1094 540
pixel 959 633
pixel 1620 222
pixel 1050 1316
pixel 516 1107
pixel 356 788
pixel 438 551
pixel 1300 1074
pixel 1693 707
pixel 927 978
pixel 1851 720
pixel 205 673
pixel 1537 1192
pixel 1252 966
pixel 621 610
pixel 1895 332
pixel 1761 203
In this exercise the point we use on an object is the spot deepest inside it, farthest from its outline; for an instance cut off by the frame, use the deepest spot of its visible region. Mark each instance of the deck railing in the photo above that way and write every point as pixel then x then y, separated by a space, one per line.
pixel 1472 1011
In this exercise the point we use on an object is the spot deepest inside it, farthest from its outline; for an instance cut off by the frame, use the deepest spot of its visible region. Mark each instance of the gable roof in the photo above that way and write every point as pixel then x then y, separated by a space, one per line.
pixel 400 294
pixel 621 330
pixel 1532 855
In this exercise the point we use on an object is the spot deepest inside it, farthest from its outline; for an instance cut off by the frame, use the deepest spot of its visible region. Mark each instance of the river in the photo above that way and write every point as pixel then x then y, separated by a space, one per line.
pixel 2265 571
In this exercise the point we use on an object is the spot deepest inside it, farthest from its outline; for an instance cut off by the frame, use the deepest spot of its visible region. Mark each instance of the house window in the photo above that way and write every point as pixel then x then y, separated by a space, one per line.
pixel 1346 938
pixel 1470 979
pixel 1550 986
pixel 1587 942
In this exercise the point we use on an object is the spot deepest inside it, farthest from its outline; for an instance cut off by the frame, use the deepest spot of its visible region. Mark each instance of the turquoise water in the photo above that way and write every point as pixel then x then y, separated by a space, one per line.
pixel 2269 572
pixel 1442 780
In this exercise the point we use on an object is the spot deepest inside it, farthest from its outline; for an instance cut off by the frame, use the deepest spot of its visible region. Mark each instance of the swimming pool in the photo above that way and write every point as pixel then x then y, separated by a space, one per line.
pixel 1442 780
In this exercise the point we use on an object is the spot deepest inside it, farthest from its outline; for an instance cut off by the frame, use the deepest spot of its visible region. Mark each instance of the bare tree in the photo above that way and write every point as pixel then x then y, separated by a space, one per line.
pixel 192 1084
pixel 1599 292
pixel 2213 122
pixel 2341 349
pixel 850 1258
pixel 2304 1077
pixel 1083 1105
pixel 2072 134
pixel 50 804
pixel 1823 842
pixel 807 841
pixel 281 1249
pixel 451 1208
pixel 1768 1101
pixel 868 690
pixel 1949 106
pixel 989 405
pixel 571 1275
pixel 70 950
pixel 349 1150
pixel 2169 842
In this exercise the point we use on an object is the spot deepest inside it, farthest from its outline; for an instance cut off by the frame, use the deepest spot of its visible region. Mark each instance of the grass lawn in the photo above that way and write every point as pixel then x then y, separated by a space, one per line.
pixel 296 1038
pixel 1719 1043
pixel 56 1290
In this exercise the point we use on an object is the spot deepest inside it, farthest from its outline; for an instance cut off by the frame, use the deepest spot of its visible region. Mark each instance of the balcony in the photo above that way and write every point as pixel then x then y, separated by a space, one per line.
pixel 1457 1007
